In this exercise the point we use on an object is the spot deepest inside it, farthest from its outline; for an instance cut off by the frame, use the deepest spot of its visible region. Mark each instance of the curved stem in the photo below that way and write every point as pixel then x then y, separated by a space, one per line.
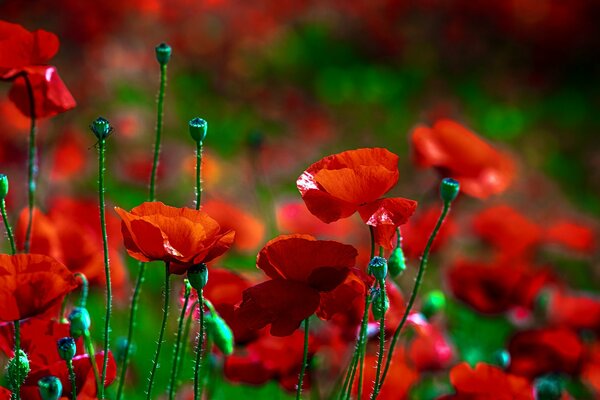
pixel 17 386
pixel 161 335
pixel 413 295
pixel 72 378
pixel 9 231
pixel 198 174
pixel 89 348
pixel 176 353
pixel 101 189
pixel 381 340
pixel 84 289
pixel 159 127
pixel 31 163
pixel 199 347
pixel 304 361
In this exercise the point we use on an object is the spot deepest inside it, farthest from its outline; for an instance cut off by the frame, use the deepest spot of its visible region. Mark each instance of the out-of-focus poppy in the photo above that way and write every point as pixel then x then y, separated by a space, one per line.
pixel 456 151
pixel 573 310
pixel 69 157
pixel 549 350
pixel 5 394
pixel 153 231
pixel 487 382
pixel 249 230
pixel 591 370
pixel 416 231
pixel 339 185
pixel 429 349
pixel 30 284
pixel 572 235
pixel 301 268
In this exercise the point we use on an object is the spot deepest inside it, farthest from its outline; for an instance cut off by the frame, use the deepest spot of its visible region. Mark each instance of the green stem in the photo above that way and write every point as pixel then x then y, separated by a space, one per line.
pixel 413 295
pixel 101 190
pixel 9 231
pixel 186 333
pixel 176 353
pixel 198 174
pixel 161 335
pixel 206 369
pixel 17 386
pixel 304 361
pixel 159 127
pixel 31 163
pixel 381 339
pixel 89 348
pixel 72 378
pixel 84 289
pixel 199 347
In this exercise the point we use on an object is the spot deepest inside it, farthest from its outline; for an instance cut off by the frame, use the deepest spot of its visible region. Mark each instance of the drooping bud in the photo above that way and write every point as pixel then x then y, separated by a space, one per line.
pixel 18 366
pixel 50 388
pixel 66 348
pixel 433 303
pixel 220 333
pixel 397 262
pixel 379 306
pixel 378 268
pixel 449 189
pixel 163 53
pixel 501 358
pixel 547 387
pixel 3 186
pixel 101 128
pixel 198 276
pixel 198 128
pixel 80 321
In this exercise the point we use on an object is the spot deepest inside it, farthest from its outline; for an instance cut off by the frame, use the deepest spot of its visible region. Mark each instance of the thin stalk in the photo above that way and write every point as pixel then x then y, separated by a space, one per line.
pixel 186 333
pixel 32 168
pixel 176 353
pixel 159 128
pixel 413 295
pixel 199 347
pixel 89 348
pixel 72 378
pixel 9 231
pixel 17 387
pixel 381 339
pixel 206 367
pixel 304 361
pixel 101 190
pixel 198 174
pixel 161 335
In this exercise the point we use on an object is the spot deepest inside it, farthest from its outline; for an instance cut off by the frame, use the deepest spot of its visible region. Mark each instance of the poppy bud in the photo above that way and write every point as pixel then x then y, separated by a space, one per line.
pixel 18 364
pixel 501 358
pixel 101 128
pixel 378 268
pixel 220 332
pixel 449 189
pixel 433 303
pixel 50 388
pixel 396 262
pixel 198 276
pixel 66 348
pixel 198 128
pixel 3 186
pixel 80 321
pixel 163 53
pixel 547 387
pixel 379 307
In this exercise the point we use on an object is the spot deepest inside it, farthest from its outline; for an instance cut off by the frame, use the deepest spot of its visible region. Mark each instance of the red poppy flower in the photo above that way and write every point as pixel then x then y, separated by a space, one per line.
pixel 181 236
pixel 341 184
pixel 460 153
pixel 416 232
pixel 488 382
pixel 70 156
pixel 429 349
pixel 573 310
pixel 572 235
pixel 301 268
pixel 537 352
pixel 30 284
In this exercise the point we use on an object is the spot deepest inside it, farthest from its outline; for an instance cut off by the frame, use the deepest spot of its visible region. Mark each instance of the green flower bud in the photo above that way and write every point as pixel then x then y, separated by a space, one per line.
pixel 378 306
pixel 66 348
pixel 449 189
pixel 501 358
pixel 50 388
pixel 101 128
pixel 547 387
pixel 220 333
pixel 198 128
pixel 378 268
pixel 80 321
pixel 433 303
pixel 198 276
pixel 396 262
pixel 18 366
pixel 3 186
pixel 163 53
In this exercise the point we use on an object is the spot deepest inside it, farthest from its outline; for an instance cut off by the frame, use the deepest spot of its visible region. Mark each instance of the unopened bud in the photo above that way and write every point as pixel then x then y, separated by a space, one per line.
pixel 66 348
pixel 449 189
pixel 220 332
pixel 198 128
pixel 101 128
pixel 397 262
pixel 80 321
pixel 378 268
pixel 50 388
pixel 163 53
pixel 3 186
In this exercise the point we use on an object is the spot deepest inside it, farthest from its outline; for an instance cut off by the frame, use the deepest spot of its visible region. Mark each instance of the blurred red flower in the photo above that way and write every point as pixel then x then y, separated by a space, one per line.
pixel 26 53
pixel 5 394
pixel 416 231
pixel 401 377
pixel 574 310
pixel 456 151
pixel 429 349
pixel 339 185
pixel 301 268
pixel 572 235
pixel 154 231
pixel 487 382
pixel 30 284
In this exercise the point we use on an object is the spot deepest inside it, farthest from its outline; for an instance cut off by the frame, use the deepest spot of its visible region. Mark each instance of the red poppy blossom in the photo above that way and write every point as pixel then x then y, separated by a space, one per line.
pixel 30 284
pixel 339 185
pixel 416 232
pixel 153 231
pixel 301 268
pixel 429 349
pixel 572 235
pixel 488 382
pixel 460 153
pixel 573 310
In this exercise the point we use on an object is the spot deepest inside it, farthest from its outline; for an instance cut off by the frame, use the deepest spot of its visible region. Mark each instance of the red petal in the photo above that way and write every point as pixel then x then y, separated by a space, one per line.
pixel 385 215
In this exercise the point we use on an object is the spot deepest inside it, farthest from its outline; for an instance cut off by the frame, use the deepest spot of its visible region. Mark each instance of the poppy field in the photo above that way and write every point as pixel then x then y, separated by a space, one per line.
pixel 299 200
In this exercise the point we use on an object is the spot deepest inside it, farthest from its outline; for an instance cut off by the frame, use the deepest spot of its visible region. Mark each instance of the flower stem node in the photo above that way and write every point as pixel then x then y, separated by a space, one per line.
pixel 220 332
pixel 433 303
pixel 198 128
pixel 3 186
pixel 198 276
pixel 449 189
pixel 378 268
pixel 18 366
pixel 101 128
pixel 380 305
pixel 66 348
pixel 50 388
pixel 163 53
pixel 397 262
pixel 80 321
pixel 547 387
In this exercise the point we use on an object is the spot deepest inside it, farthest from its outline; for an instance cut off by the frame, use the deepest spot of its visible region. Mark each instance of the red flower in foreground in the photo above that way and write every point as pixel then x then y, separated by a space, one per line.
pixel 153 231
pixel 458 152
pixel 26 53
pixel 301 269
pixel 487 382
pixel 30 284
pixel 339 185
